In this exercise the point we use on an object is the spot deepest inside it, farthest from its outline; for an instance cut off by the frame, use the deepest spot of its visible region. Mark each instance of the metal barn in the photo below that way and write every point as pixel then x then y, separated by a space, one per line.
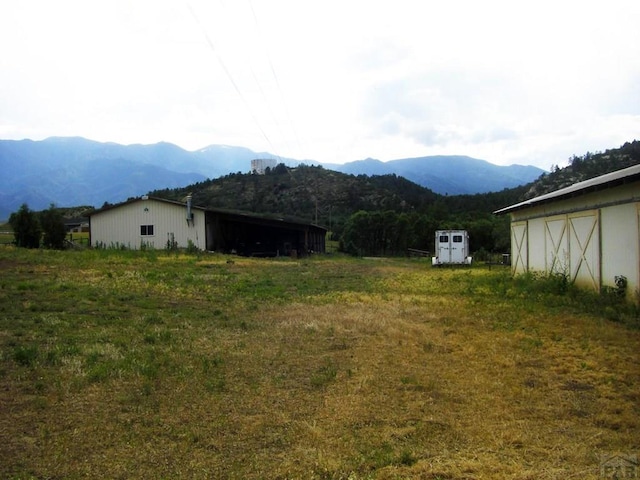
pixel 589 231
pixel 150 222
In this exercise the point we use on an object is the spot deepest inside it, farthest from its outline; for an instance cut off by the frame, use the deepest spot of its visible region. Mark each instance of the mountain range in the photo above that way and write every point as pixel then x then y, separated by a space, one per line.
pixel 447 174
pixel 73 171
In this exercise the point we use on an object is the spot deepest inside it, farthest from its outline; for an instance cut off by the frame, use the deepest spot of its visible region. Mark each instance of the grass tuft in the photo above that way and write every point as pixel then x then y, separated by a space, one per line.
pixel 26 356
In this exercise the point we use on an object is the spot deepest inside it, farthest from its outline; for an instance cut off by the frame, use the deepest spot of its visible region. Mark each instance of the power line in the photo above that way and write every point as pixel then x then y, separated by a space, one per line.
pixel 228 74
pixel 275 76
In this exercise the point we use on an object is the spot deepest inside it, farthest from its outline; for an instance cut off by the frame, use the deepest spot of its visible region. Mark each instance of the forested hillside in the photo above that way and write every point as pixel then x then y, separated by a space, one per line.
pixel 306 193
pixel 394 213
pixel 587 166
pixel 386 214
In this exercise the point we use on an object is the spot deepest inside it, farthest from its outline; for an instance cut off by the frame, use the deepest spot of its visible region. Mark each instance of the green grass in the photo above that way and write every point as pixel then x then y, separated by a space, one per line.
pixel 6 238
pixel 144 364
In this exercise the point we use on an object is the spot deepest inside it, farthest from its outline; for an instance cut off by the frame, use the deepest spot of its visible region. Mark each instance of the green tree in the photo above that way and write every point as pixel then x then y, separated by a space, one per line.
pixel 376 233
pixel 356 236
pixel 26 227
pixel 402 234
pixel 422 230
pixel 280 169
pixel 481 234
pixel 53 226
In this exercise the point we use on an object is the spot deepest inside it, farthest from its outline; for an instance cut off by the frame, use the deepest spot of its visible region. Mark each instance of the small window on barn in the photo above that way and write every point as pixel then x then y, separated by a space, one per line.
pixel 146 230
pixel 444 239
pixel 457 239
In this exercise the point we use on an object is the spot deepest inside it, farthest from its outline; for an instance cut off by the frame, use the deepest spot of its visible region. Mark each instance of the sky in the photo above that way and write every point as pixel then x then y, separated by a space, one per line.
pixel 510 82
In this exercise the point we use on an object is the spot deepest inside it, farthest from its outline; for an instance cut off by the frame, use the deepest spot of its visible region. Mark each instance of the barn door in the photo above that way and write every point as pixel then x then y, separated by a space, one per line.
pixel 519 247
pixel 556 245
pixel 584 242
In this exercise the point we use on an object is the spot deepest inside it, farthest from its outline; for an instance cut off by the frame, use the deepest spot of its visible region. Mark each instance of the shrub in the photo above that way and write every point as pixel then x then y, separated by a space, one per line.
pixel 53 226
pixel 555 283
pixel 26 227
pixel 192 247
pixel 25 356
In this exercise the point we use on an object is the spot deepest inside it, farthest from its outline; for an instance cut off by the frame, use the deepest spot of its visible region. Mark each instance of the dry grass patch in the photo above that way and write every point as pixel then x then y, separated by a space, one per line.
pixel 213 367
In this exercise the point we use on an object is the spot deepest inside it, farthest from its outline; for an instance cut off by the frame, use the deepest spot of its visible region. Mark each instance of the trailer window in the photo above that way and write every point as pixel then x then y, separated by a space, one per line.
pixel 444 239
pixel 457 239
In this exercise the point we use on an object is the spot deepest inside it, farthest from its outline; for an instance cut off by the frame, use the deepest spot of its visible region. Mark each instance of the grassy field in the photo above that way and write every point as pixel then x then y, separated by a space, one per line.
pixel 7 237
pixel 149 365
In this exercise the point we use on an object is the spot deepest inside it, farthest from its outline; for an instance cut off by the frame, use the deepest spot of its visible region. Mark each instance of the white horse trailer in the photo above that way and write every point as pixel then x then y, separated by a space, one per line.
pixel 451 248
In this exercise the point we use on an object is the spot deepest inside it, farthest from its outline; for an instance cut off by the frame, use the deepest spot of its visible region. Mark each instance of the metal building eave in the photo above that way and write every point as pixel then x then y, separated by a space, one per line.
pixel 237 215
pixel 608 180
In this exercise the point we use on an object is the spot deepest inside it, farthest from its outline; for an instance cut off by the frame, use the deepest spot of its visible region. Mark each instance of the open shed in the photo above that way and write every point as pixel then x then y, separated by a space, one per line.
pixel 589 231
pixel 150 222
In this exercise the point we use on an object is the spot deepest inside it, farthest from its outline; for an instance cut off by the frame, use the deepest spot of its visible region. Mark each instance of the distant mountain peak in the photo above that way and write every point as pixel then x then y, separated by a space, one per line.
pixel 71 171
pixel 447 174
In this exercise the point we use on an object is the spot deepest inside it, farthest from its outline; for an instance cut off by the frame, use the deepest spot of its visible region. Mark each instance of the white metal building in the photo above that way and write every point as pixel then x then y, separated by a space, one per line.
pixel 148 222
pixel 157 223
pixel 589 231
pixel 260 165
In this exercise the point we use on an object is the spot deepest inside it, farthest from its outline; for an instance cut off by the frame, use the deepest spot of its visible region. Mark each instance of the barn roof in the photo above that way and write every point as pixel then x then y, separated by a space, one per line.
pixel 140 199
pixel 231 214
pixel 619 177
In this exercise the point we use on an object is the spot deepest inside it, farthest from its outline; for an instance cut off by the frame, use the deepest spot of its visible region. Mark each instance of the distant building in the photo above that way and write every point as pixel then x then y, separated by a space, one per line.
pixel 150 222
pixel 76 224
pixel 589 231
pixel 260 165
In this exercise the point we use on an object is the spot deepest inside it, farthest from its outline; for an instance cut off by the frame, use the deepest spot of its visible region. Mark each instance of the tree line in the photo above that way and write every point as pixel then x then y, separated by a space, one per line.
pixel 367 215
pixel 35 229
pixel 388 233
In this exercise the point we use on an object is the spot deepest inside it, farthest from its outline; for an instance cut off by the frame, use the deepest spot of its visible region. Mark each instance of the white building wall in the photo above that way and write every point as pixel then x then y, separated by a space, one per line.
pixel 537 253
pixel 120 226
pixel 259 165
pixel 620 233
pixel 593 238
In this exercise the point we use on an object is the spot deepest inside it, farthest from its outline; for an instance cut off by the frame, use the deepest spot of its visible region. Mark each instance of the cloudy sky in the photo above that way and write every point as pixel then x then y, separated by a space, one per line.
pixel 333 81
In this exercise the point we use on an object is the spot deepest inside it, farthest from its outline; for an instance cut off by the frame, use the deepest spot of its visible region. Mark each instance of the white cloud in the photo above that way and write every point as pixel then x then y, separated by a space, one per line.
pixel 510 82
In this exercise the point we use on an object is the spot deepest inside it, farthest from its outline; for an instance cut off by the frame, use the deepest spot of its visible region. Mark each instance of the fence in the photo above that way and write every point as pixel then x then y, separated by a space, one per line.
pixel 77 239
pixel 6 238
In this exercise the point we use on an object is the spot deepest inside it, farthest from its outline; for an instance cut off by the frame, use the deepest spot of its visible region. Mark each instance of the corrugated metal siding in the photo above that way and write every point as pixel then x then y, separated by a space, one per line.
pixel 536 244
pixel 520 247
pixel 556 245
pixel 584 248
pixel 592 238
pixel 121 226
pixel 620 237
